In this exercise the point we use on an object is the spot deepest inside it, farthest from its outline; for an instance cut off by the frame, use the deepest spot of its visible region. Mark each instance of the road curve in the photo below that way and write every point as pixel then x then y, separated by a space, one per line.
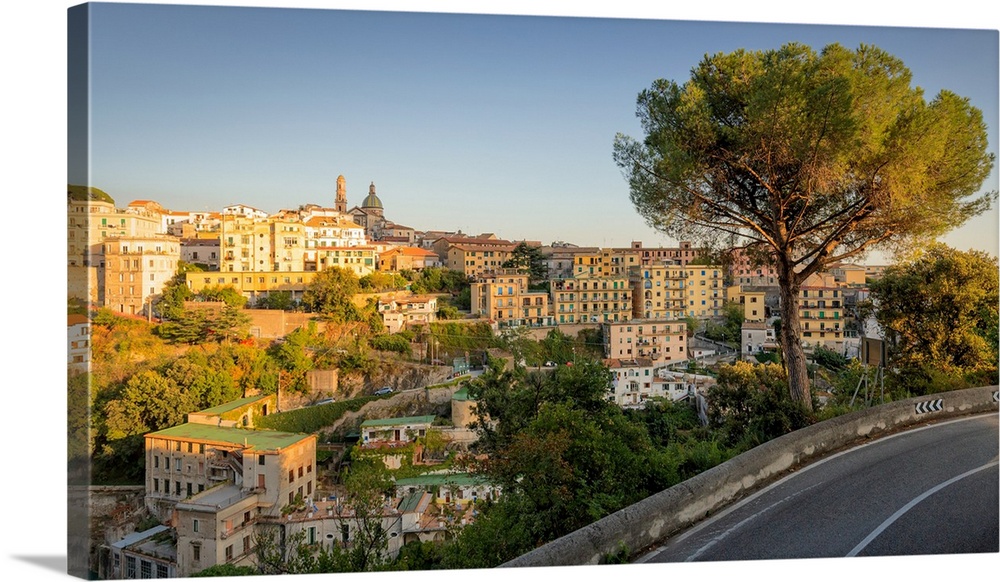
pixel 929 490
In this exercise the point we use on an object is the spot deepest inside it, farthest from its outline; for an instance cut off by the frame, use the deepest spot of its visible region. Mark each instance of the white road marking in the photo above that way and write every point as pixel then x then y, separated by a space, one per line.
pixel 902 510
pixel 694 529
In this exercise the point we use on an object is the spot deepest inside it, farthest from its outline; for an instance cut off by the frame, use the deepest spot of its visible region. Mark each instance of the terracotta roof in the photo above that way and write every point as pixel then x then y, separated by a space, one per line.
pixel 76 319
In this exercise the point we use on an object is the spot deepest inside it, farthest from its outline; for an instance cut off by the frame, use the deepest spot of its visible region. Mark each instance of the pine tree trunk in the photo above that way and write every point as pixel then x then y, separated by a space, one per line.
pixel 791 347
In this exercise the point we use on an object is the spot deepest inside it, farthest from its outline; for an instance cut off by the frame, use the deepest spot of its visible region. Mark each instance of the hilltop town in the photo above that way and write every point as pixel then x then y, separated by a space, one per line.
pixel 362 438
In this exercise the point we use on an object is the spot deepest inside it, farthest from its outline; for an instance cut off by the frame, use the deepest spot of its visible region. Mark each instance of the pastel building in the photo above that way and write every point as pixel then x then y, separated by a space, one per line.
pixel 821 312
pixel 405 258
pixel 136 270
pixel 78 350
pixel 659 292
pixel 473 256
pixel 705 291
pixel 660 341
pixel 399 313
pixel 505 299
pixel 589 299
pixel 253 286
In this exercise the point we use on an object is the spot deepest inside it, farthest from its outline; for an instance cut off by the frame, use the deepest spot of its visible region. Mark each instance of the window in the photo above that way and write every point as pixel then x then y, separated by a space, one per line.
pixel 291 475
pixel 260 459
pixel 300 471
pixel 229 552
pixel 145 569
pixel 177 462
pixel 156 462
pixel 130 566
pixel 195 525
pixel 246 543
pixel 161 571
pixel 177 487
pixel 195 552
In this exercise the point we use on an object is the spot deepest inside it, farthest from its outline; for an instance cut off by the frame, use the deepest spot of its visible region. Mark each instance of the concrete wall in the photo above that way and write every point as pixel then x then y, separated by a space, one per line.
pixel 653 519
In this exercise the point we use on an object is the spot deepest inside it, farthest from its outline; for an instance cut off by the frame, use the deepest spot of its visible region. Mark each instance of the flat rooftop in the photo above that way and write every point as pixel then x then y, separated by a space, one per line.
pixel 223 408
pixel 398 421
pixel 257 440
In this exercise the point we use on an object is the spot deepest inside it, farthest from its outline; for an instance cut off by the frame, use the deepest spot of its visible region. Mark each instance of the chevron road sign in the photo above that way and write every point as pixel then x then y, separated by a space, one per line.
pixel 996 396
pixel 929 406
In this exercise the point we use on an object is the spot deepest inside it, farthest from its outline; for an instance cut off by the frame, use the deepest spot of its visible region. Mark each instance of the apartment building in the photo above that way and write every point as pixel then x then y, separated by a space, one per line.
pixel 78 348
pixel 632 380
pixel 752 299
pixel 399 313
pixel 746 270
pixel 213 477
pixel 505 299
pixel 848 275
pixel 560 258
pixel 201 251
pixel 605 262
pixel 705 291
pixel 588 299
pixel 680 255
pixel 660 341
pixel 821 312
pixel 253 286
pixel 473 256
pixel 659 292
pixel 92 217
pixel 245 243
pixel 405 258
pixel 136 269
pixel 288 237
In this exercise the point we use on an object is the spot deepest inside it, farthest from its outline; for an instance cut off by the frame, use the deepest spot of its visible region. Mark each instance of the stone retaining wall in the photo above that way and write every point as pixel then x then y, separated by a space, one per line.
pixel 648 522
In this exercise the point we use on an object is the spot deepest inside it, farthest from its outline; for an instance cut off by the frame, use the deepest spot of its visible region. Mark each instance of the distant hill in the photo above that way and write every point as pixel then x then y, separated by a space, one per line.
pixel 85 193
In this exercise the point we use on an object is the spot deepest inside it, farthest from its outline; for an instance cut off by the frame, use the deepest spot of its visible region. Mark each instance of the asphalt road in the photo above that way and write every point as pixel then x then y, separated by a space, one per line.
pixel 931 490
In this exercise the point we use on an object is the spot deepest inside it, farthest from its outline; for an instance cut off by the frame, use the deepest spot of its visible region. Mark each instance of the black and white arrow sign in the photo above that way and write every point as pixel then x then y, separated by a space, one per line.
pixel 929 406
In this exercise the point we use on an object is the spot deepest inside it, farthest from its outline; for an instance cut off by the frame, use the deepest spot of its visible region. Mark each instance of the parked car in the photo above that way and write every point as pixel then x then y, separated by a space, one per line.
pixel 550 364
pixel 324 401
pixel 384 390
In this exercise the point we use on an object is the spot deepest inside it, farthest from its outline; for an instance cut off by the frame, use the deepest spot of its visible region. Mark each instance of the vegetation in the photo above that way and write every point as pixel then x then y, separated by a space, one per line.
pixel 750 405
pixel 730 330
pixel 529 260
pixel 313 418
pixel 939 312
pixel 815 158
pixel 83 193
pixel 564 457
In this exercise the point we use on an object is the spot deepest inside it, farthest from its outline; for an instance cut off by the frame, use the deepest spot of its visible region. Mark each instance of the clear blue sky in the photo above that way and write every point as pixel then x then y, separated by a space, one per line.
pixel 472 122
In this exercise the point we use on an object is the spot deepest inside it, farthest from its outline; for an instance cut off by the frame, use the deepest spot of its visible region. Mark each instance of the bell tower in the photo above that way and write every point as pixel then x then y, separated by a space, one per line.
pixel 341 202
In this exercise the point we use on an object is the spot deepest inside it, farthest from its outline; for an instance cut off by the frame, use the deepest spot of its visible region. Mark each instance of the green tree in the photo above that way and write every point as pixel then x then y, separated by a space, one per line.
pixel 940 311
pixel 750 405
pixel 226 294
pixel 170 305
pixel 527 259
pixel 815 157
pixel 331 293
pixel 231 323
pixel 279 300
pixel 563 455
pixel 189 326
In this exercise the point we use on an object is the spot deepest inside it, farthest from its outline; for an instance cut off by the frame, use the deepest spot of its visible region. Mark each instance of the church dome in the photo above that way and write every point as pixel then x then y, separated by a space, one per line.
pixel 371 201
